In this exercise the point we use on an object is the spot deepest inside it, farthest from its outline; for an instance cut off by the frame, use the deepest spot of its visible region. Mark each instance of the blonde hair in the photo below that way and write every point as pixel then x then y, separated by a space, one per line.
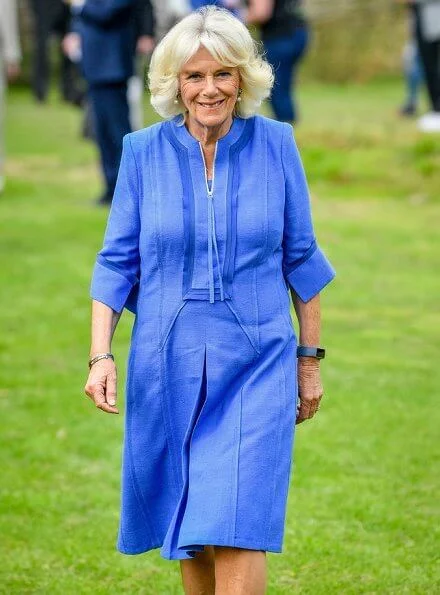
pixel 227 40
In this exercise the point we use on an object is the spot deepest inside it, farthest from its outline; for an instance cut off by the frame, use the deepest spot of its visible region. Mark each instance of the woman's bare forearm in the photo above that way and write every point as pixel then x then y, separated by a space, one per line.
pixel 309 379
pixel 104 322
pixel 309 319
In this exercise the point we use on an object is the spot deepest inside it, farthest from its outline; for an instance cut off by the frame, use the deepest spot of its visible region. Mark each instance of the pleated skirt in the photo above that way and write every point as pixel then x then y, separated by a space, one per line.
pixel 209 438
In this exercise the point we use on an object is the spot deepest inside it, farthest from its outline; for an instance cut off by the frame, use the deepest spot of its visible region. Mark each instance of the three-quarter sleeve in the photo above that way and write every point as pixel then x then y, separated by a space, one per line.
pixel 305 267
pixel 115 277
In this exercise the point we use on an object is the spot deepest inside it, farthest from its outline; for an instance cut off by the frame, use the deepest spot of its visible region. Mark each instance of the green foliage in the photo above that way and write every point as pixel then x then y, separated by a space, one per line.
pixel 363 507
pixel 355 40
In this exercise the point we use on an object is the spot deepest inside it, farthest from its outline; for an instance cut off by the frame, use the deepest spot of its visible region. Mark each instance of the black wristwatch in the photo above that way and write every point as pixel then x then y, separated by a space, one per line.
pixel 304 351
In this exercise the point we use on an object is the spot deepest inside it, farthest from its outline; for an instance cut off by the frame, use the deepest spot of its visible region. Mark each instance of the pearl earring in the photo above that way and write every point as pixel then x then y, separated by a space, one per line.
pixel 176 99
pixel 240 91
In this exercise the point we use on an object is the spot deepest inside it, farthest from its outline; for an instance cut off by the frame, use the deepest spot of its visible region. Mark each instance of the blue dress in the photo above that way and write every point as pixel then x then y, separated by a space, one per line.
pixel 211 390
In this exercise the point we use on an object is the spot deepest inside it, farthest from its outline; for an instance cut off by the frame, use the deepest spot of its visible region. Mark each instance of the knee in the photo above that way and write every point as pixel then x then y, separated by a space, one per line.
pixel 240 571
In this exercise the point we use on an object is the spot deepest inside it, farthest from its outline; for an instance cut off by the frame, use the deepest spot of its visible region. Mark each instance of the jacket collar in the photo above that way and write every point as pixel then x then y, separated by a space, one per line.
pixel 181 133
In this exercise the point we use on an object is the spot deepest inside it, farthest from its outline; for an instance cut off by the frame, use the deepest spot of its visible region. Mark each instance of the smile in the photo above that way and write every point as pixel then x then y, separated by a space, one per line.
pixel 212 105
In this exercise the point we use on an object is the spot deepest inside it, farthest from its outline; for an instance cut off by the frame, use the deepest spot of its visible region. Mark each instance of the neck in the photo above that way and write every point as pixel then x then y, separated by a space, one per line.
pixel 208 135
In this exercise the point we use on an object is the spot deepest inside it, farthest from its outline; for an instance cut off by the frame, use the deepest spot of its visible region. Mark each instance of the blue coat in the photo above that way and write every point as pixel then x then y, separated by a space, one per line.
pixel 107 29
pixel 211 389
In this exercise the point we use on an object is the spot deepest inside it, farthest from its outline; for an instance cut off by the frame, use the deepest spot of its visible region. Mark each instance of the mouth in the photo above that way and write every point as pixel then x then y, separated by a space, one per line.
pixel 212 105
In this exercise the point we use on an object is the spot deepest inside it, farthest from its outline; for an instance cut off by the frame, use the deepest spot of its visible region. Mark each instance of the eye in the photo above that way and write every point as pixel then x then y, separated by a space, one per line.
pixel 194 75
pixel 224 74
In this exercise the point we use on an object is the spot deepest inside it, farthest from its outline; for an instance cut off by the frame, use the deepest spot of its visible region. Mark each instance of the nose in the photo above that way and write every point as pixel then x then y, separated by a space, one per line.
pixel 210 88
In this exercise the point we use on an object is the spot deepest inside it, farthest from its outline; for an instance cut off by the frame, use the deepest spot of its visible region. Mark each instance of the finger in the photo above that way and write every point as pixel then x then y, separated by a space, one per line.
pixel 98 395
pixel 111 390
pixel 107 408
pixel 312 412
pixel 314 405
pixel 101 403
pixel 300 418
pixel 88 389
pixel 94 388
pixel 313 408
pixel 303 413
pixel 308 408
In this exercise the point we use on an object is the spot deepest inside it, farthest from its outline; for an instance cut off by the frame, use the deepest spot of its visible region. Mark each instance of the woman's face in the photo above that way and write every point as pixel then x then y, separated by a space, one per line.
pixel 208 90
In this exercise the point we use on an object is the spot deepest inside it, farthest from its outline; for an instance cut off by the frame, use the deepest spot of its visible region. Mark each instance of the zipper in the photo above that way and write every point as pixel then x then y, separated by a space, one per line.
pixel 209 193
pixel 212 236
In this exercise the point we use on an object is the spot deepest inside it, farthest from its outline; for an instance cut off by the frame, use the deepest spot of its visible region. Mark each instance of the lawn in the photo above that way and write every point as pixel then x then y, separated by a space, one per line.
pixel 363 513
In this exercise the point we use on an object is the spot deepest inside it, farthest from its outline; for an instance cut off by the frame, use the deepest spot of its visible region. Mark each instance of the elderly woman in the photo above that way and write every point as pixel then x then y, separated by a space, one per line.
pixel 209 229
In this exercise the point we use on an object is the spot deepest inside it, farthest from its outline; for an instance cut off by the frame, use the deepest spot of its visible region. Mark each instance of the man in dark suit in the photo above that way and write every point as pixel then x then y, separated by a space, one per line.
pixel 108 37
pixel 51 17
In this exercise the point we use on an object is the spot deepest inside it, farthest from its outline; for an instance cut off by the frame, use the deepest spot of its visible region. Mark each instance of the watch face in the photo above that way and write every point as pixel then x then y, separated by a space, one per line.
pixel 320 353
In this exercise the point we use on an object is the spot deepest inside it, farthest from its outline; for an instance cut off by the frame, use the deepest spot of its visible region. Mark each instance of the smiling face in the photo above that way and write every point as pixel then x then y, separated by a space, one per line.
pixel 209 92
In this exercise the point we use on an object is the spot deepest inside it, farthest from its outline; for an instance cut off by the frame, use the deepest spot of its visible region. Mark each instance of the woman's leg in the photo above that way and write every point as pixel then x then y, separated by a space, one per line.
pixel 239 571
pixel 198 574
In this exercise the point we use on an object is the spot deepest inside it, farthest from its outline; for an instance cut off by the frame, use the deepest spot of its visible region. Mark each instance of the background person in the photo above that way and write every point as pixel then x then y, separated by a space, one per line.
pixel 427 16
pixel 108 37
pixel 144 33
pixel 204 254
pixel 167 13
pixel 412 65
pixel 52 17
pixel 144 24
pixel 285 35
pixel 10 58
pixel 414 78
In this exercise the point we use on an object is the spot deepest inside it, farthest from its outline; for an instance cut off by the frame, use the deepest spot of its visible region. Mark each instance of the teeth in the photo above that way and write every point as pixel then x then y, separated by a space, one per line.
pixel 212 104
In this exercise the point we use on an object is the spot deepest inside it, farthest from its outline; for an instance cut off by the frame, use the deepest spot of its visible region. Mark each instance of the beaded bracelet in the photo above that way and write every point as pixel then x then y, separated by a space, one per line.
pixel 99 357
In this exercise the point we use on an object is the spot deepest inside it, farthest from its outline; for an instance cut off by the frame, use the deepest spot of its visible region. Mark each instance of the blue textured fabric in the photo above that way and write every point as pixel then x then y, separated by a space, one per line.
pixel 211 385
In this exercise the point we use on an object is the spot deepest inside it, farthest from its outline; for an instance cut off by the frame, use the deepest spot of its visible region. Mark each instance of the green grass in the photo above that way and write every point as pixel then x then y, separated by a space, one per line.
pixel 363 506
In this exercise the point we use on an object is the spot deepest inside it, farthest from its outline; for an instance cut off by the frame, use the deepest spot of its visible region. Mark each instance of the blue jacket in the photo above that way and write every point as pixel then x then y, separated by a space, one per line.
pixel 287 249
pixel 107 32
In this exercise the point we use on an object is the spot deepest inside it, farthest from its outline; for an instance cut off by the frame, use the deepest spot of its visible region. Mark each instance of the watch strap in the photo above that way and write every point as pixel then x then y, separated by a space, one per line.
pixel 316 352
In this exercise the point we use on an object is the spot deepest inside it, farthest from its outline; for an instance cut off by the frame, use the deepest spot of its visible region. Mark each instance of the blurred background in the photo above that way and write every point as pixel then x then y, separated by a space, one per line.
pixel 353 39
pixel 363 513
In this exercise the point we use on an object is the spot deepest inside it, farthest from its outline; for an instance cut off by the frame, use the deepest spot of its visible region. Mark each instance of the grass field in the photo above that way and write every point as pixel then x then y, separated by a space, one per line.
pixel 363 512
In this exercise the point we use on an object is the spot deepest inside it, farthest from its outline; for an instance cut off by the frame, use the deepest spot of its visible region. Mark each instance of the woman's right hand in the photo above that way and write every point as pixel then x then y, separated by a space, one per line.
pixel 101 385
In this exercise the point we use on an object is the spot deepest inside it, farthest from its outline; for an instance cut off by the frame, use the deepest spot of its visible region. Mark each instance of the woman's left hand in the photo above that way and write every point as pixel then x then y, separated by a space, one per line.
pixel 309 388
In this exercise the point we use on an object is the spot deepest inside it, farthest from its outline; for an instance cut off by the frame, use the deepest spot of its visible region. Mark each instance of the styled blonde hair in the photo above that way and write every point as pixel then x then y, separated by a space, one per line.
pixel 227 40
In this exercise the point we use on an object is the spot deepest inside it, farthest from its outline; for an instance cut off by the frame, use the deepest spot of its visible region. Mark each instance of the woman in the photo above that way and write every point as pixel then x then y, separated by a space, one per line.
pixel 209 226
pixel 285 35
